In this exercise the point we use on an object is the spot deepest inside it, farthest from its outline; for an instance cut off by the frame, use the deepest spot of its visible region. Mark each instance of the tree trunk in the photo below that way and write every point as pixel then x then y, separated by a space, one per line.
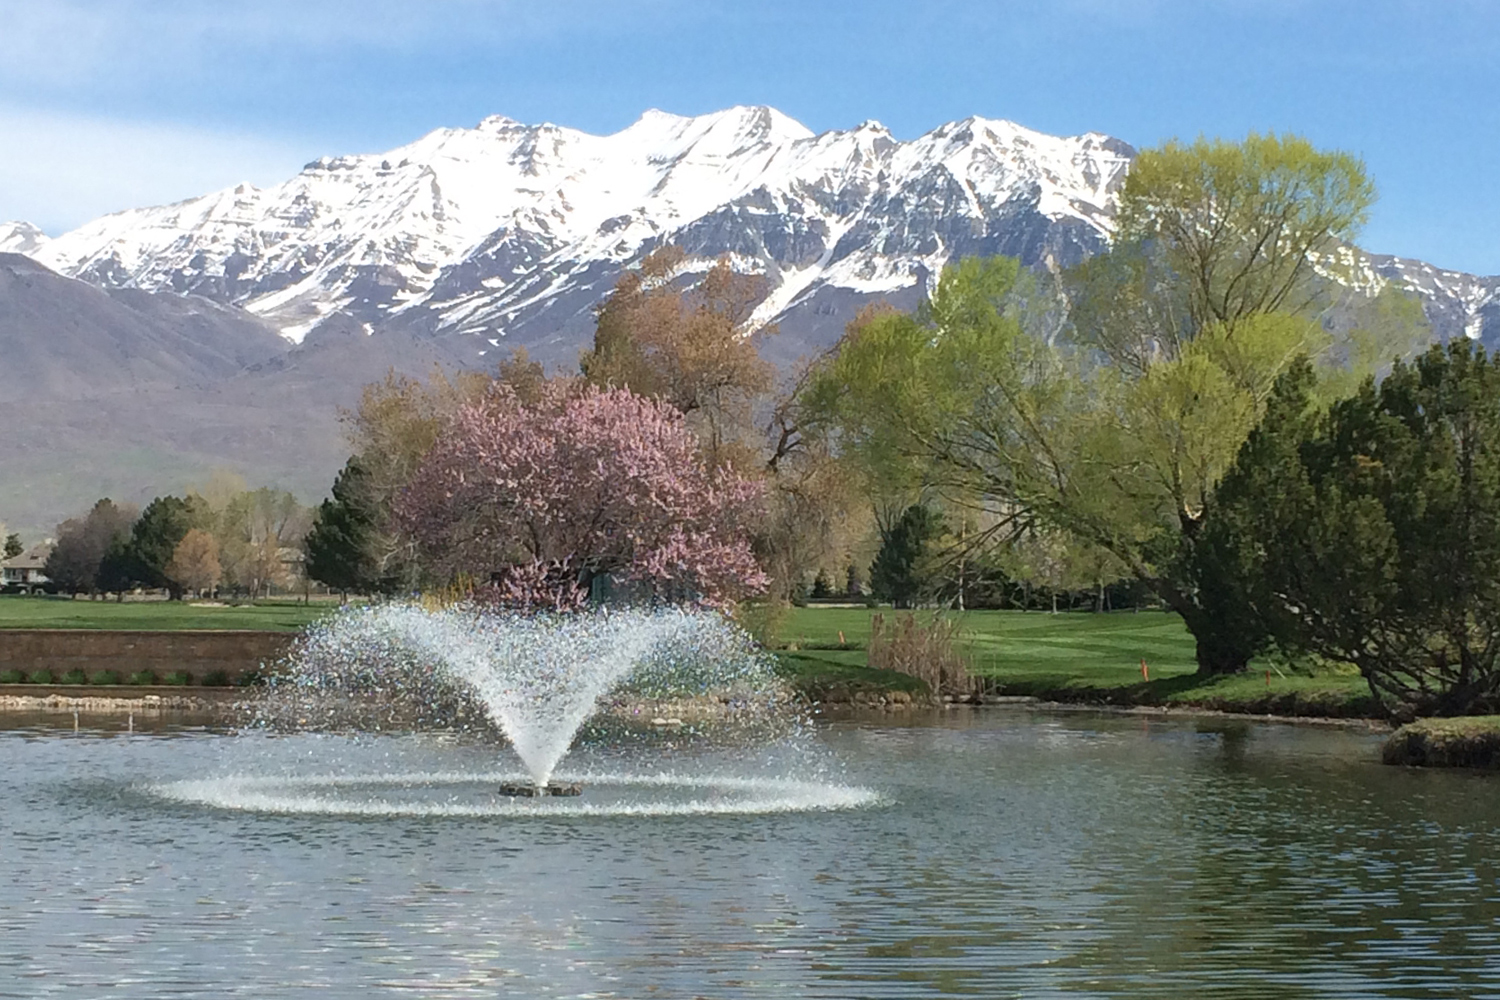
pixel 1219 651
pixel 1218 655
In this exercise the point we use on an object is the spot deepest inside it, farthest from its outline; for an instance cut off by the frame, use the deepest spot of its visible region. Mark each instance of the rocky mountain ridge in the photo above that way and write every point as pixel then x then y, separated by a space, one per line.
pixel 148 346
pixel 508 234
pixel 514 231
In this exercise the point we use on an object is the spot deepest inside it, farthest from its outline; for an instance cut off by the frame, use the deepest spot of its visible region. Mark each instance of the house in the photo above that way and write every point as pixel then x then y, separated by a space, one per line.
pixel 24 572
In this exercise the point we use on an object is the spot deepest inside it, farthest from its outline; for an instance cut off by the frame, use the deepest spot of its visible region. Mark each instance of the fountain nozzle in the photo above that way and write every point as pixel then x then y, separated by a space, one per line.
pixel 530 791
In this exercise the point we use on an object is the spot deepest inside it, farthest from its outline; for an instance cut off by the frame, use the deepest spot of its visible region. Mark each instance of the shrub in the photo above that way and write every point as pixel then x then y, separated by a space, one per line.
pixel 74 676
pixel 178 678
pixel 764 620
pixel 1369 533
pixel 216 679
pixel 142 678
pixel 927 652
pixel 250 678
pixel 103 677
pixel 12 677
pixel 43 676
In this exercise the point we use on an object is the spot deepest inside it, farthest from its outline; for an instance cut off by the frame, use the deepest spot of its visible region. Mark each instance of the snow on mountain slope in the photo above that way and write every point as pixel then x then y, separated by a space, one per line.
pixel 1457 304
pixel 21 237
pixel 509 234
pixel 506 226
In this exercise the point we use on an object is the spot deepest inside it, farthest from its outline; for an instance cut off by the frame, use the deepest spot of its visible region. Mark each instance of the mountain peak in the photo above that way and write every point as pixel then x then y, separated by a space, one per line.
pixel 472 228
pixel 21 237
pixel 496 123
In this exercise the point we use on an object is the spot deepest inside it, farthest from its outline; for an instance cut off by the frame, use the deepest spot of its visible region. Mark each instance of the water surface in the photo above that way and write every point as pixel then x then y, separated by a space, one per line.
pixel 1009 853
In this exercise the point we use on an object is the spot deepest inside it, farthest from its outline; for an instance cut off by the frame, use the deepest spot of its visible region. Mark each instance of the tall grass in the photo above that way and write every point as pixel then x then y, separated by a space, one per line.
pixel 927 650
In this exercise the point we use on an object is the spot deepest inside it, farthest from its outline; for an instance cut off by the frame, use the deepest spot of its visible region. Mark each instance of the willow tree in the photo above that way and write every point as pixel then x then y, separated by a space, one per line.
pixel 1117 431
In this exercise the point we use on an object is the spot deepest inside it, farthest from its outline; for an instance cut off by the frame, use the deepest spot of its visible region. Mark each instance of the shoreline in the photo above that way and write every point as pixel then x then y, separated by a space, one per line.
pixel 14 698
pixel 840 710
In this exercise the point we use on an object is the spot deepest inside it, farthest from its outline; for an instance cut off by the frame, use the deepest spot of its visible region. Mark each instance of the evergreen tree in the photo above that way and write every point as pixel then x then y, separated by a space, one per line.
pixel 899 573
pixel 822 587
pixel 1371 535
pixel 162 525
pixel 854 584
pixel 341 545
pixel 13 546
pixel 118 570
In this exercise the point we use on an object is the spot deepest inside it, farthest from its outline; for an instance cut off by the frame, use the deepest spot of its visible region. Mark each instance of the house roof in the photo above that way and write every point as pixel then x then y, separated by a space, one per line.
pixel 33 558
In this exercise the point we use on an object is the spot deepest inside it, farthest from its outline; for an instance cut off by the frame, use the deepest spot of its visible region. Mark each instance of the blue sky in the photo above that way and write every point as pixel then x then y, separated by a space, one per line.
pixel 107 104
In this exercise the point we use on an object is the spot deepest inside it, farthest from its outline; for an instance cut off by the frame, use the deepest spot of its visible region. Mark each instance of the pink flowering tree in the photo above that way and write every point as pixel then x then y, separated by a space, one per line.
pixel 581 481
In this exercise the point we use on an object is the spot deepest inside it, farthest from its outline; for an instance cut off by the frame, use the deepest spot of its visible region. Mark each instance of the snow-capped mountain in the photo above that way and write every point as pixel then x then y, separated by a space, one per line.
pixel 515 231
pixel 509 234
pixel 21 237
pixel 472 240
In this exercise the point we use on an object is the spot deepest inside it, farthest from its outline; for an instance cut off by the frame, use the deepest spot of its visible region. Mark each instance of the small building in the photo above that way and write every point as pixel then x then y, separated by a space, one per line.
pixel 24 572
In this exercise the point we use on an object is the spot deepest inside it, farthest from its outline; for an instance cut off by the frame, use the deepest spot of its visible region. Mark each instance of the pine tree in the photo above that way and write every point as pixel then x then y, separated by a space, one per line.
pixel 155 537
pixel 897 575
pixel 340 547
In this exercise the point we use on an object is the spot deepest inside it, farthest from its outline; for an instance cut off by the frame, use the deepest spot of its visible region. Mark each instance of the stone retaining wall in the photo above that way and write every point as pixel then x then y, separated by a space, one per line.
pixel 199 653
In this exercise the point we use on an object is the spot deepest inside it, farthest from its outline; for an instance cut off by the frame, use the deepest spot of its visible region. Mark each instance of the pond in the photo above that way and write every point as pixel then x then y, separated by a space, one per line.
pixel 998 853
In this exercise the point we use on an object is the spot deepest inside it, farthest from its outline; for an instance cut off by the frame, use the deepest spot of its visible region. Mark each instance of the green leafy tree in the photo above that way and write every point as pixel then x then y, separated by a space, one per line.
pixel 1370 534
pixel 156 535
pixel 1118 432
pixel 13 546
pixel 1239 227
pixel 341 547
pixel 901 572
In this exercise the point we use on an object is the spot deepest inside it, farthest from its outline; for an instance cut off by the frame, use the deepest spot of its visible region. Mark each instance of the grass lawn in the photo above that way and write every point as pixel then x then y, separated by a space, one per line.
pixel 18 611
pixel 1073 656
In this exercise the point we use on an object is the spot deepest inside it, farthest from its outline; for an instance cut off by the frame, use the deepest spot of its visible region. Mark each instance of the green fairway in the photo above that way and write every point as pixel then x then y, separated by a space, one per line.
pixel 60 612
pixel 1073 656
pixel 1105 648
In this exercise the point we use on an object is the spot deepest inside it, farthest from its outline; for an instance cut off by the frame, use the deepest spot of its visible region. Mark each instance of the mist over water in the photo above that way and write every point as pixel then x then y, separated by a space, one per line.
pixel 654 711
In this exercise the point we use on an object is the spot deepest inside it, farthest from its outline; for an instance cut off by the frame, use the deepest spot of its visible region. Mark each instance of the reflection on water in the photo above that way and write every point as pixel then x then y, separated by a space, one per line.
pixel 1012 854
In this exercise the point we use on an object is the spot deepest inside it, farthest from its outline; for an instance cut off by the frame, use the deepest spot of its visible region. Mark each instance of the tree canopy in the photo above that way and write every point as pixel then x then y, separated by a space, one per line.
pixel 83 544
pixel 155 537
pixel 602 481
pixel 1369 533
pixel 1115 426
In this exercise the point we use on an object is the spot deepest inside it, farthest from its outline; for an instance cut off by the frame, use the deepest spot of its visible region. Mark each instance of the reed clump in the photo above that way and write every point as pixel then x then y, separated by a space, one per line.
pixel 925 649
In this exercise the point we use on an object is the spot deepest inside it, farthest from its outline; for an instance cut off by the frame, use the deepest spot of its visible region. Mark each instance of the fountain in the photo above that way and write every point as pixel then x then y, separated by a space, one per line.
pixel 673 708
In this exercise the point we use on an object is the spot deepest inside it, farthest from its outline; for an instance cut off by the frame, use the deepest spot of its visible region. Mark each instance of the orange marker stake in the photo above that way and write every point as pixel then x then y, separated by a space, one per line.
pixel 1145 670
pixel 841 638
pixel 1268 678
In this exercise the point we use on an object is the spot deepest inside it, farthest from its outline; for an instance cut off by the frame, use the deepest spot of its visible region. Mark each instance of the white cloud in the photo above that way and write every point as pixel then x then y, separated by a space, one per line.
pixel 60 170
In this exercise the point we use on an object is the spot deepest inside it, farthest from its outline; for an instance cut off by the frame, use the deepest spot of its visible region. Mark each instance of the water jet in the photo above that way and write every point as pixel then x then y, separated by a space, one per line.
pixel 659 712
